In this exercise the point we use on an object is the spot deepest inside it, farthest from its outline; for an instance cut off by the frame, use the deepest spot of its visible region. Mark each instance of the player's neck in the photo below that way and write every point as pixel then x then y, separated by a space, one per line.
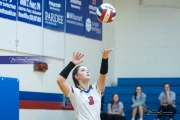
pixel 115 102
pixel 84 86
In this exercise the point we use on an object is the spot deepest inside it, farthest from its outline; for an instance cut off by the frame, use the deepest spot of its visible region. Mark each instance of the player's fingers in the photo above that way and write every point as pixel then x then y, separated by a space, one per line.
pixel 109 50
pixel 81 56
pixel 77 54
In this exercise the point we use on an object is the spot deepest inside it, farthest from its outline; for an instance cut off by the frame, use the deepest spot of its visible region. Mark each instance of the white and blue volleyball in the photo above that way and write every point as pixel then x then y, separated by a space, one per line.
pixel 106 13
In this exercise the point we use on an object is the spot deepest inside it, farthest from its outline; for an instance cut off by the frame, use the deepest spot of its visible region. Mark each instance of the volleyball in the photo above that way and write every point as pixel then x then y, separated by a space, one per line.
pixel 106 13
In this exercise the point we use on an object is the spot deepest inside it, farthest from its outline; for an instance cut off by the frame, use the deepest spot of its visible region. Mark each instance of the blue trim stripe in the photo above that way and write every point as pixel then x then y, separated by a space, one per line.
pixel 37 96
pixel 87 91
pixel 100 9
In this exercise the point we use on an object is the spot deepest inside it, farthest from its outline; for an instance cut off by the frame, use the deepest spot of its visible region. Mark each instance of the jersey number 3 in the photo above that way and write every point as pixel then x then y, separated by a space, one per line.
pixel 91 101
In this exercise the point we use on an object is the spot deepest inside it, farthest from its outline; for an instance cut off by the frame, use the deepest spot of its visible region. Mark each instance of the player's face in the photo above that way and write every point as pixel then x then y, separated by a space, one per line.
pixel 83 73
pixel 166 87
pixel 138 90
pixel 115 98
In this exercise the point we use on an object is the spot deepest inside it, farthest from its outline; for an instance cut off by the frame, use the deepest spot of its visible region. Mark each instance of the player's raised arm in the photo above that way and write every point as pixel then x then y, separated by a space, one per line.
pixel 61 80
pixel 103 69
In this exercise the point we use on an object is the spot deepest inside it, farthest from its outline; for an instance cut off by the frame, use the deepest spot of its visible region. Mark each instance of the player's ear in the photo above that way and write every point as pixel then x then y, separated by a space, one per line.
pixel 76 76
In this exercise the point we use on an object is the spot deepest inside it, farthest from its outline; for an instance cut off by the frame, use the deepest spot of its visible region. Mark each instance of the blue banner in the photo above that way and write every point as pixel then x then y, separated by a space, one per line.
pixel 30 11
pixel 54 12
pixel 75 16
pixel 8 9
pixel 93 27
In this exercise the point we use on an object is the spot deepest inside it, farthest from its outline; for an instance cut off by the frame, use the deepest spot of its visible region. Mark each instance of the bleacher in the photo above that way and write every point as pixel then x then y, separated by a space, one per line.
pixel 152 87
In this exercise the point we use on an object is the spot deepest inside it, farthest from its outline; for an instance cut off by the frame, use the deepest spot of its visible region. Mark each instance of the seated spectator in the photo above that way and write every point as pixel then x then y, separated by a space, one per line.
pixel 115 109
pixel 167 102
pixel 139 106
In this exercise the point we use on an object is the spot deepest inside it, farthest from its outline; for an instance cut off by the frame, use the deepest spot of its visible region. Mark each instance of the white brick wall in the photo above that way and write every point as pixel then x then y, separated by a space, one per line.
pixel 31 80
pixel 147 40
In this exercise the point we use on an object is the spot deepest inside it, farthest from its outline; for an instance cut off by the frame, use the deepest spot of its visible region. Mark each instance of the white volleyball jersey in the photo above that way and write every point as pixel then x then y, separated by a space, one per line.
pixel 86 105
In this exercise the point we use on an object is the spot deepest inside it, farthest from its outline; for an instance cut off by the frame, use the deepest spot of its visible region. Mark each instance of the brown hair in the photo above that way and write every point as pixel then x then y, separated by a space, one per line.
pixel 165 85
pixel 135 93
pixel 76 83
pixel 112 101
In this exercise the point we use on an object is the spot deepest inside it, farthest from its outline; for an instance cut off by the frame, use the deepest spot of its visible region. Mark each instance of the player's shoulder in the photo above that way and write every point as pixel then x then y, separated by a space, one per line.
pixel 74 89
pixel 120 103
pixel 173 93
pixel 143 94
pixel 94 85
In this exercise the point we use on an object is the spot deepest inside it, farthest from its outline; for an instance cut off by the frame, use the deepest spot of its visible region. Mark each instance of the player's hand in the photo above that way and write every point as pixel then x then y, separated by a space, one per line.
pixel 167 92
pixel 106 52
pixel 77 58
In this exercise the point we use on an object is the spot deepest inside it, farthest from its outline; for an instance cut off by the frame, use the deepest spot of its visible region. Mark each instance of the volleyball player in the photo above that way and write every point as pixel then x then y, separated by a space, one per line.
pixel 85 99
